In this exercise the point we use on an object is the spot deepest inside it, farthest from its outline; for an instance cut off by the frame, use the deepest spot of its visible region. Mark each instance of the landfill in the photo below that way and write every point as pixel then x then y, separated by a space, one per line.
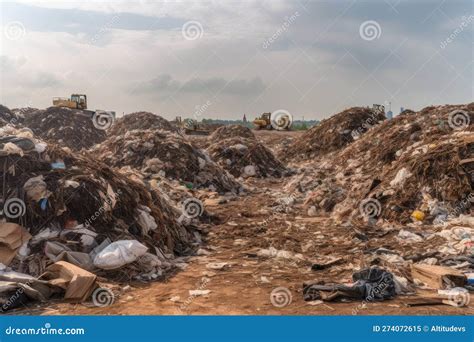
pixel 231 131
pixel 246 157
pixel 67 127
pixel 7 117
pixel 160 153
pixel 361 214
pixel 140 121
pixel 66 215
pixel 334 133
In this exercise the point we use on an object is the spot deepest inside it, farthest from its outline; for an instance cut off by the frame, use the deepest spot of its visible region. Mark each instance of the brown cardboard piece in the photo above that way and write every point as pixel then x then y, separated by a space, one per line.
pixel 77 282
pixel 436 277
pixel 12 237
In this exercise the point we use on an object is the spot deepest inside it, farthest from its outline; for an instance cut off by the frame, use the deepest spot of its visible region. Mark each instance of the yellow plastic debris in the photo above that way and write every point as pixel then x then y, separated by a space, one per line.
pixel 418 215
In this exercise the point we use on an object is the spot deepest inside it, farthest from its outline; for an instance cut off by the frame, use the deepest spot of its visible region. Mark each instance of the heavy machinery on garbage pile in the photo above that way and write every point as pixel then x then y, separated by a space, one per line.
pixel 278 120
pixel 76 101
pixel 191 127
pixel 79 101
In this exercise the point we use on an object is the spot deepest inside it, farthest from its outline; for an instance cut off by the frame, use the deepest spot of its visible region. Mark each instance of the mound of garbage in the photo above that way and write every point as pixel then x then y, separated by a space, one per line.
pixel 8 117
pixel 165 154
pixel 140 120
pixel 333 134
pixel 414 166
pixel 71 128
pixel 22 113
pixel 246 157
pixel 66 212
pixel 231 131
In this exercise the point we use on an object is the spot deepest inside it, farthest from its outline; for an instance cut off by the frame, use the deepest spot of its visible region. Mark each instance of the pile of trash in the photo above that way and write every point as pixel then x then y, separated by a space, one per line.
pixel 165 154
pixel 412 167
pixel 23 113
pixel 66 215
pixel 231 131
pixel 140 120
pixel 333 134
pixel 8 117
pixel 246 157
pixel 70 128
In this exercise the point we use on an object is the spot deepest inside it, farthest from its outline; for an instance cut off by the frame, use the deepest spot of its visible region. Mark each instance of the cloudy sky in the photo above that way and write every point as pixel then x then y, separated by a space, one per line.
pixel 221 59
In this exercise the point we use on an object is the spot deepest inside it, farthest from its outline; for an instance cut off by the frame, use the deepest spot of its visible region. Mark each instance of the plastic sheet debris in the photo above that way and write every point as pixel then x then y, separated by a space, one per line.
pixel 373 284
pixel 119 253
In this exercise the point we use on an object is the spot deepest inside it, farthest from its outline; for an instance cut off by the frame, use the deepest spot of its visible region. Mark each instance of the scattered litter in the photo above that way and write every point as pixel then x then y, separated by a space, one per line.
pixel 197 293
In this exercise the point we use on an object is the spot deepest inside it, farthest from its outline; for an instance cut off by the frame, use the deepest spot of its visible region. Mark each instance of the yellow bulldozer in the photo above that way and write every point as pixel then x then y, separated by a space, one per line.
pixel 76 101
pixel 263 121
pixel 278 120
pixel 79 101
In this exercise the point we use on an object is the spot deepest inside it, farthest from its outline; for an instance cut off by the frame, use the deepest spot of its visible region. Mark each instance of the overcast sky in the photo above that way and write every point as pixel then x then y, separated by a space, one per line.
pixel 222 59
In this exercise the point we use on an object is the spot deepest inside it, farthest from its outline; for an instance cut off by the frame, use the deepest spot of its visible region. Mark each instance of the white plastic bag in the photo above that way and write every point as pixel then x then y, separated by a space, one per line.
pixel 119 253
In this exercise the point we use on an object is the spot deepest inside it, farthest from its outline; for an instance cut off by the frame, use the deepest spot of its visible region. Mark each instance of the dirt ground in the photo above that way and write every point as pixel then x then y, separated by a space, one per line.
pixel 244 285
